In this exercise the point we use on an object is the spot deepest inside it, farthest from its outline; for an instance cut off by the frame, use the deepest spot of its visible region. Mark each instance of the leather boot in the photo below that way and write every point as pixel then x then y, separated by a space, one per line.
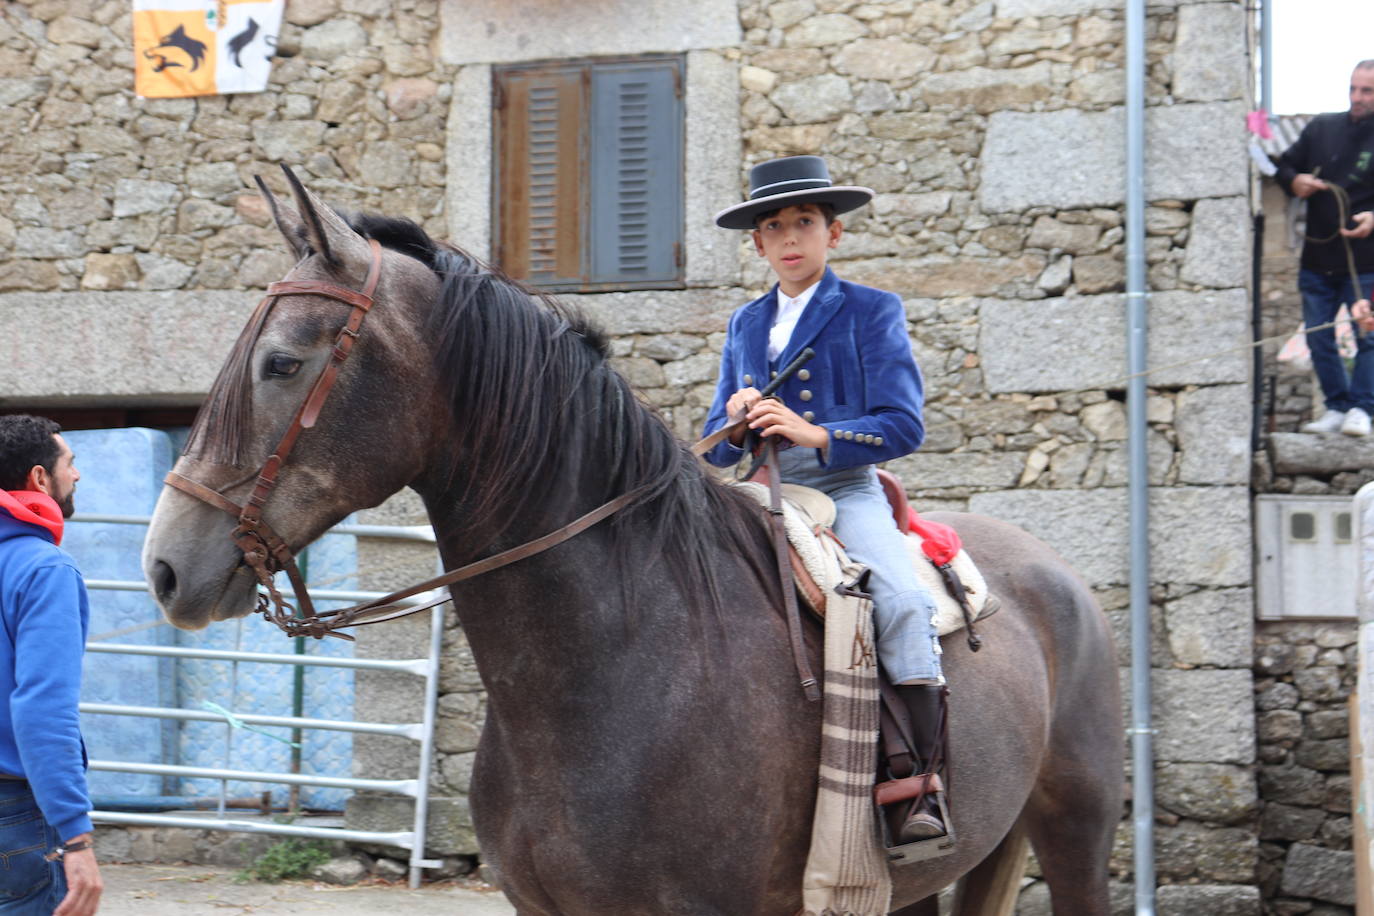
pixel 925 705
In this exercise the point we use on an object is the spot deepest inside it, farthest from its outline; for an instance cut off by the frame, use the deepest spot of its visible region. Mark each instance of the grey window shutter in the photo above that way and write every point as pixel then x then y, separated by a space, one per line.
pixel 636 192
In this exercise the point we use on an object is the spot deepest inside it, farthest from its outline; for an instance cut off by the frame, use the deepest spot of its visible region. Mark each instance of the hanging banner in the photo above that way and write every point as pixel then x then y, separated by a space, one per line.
pixel 203 47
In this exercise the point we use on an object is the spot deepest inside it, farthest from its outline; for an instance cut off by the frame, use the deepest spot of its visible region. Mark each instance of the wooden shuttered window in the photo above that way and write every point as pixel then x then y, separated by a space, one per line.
pixel 588 179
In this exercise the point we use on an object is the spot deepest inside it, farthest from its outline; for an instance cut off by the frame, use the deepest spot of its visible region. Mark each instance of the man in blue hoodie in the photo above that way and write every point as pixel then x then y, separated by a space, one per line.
pixel 45 828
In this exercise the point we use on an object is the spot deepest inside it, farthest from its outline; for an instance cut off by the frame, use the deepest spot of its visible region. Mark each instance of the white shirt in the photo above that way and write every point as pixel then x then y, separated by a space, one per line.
pixel 789 313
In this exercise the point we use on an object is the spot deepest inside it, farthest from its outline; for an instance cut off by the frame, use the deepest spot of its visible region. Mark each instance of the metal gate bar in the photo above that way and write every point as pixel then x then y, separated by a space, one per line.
pixel 405 838
pixel 416 666
pixel 399 786
pixel 413 731
pixel 426 668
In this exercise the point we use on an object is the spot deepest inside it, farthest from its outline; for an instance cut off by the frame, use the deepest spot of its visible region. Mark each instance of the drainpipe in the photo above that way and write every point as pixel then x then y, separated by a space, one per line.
pixel 1142 756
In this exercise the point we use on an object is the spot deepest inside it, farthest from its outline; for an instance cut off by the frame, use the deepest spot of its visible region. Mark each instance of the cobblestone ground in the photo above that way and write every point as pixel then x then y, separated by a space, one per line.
pixel 186 890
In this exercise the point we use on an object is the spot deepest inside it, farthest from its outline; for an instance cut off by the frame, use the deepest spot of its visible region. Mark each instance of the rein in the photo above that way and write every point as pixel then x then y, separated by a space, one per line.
pixel 266 552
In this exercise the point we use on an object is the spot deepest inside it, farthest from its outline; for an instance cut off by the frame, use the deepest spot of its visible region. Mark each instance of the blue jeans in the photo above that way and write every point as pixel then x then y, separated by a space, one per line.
pixel 1322 296
pixel 29 885
pixel 903 612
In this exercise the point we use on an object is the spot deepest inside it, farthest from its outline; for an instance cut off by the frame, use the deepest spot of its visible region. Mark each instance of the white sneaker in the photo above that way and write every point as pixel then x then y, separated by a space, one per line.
pixel 1356 422
pixel 1329 422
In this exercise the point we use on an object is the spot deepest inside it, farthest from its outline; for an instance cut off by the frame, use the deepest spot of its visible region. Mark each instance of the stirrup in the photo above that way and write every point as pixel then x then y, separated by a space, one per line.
pixel 898 791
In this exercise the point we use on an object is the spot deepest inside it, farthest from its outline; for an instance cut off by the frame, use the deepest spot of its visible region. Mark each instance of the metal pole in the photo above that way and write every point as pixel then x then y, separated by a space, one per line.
pixel 1266 13
pixel 436 645
pixel 1141 734
pixel 293 797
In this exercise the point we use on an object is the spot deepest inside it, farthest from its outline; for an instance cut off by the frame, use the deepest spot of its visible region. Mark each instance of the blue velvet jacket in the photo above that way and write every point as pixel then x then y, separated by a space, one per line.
pixel 862 385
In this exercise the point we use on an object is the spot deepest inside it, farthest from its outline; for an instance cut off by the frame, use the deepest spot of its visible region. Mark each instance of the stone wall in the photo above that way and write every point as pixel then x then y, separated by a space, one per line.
pixel 993 132
pixel 1304 676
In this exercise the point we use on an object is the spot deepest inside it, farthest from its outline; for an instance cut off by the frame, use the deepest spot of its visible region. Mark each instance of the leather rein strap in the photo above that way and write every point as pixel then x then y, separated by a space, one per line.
pixel 809 685
pixel 266 552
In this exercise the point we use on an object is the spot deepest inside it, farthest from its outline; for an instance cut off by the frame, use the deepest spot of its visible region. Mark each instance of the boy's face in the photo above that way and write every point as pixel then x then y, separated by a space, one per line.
pixel 796 241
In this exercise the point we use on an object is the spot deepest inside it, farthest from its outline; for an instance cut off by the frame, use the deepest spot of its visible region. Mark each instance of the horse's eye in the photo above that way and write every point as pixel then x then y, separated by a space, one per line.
pixel 285 366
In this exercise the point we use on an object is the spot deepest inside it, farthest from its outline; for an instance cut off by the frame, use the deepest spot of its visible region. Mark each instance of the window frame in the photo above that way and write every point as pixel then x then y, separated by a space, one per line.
pixel 504 192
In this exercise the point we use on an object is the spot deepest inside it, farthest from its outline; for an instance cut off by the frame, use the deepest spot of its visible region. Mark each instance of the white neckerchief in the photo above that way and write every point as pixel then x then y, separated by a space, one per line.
pixel 789 313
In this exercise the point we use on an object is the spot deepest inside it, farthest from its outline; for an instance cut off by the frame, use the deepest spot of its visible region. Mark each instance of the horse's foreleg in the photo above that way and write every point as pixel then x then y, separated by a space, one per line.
pixel 990 888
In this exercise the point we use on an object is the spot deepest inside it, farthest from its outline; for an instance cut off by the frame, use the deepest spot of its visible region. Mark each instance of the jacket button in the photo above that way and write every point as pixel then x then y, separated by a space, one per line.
pixel 869 439
pixel 809 415
pixel 849 435
pixel 877 440
pixel 804 374
pixel 748 380
pixel 839 434
pixel 805 394
pixel 773 374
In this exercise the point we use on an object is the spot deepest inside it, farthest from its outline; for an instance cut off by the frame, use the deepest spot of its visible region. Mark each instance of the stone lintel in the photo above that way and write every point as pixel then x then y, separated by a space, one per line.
pixel 162 347
pixel 501 31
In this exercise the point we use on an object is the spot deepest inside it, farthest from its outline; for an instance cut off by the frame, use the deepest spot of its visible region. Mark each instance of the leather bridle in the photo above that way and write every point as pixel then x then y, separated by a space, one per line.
pixel 263 549
pixel 266 553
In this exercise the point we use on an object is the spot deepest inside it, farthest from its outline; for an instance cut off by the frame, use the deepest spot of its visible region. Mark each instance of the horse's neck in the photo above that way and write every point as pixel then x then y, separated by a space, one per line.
pixel 580 619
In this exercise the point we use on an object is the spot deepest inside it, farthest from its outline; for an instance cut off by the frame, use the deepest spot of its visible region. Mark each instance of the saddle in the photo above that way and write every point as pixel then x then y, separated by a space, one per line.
pixel 943 567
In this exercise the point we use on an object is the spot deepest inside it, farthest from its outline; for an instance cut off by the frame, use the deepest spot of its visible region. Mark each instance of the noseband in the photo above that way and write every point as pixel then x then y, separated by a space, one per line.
pixel 266 553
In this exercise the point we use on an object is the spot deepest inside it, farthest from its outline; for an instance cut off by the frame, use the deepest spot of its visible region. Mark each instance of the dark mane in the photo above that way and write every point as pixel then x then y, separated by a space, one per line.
pixel 537 408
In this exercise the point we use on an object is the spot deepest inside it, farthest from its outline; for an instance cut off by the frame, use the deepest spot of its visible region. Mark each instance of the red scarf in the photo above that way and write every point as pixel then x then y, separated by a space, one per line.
pixel 35 508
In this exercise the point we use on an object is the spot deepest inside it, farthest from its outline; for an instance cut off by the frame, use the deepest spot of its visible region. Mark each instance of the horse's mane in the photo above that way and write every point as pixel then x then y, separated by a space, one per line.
pixel 536 407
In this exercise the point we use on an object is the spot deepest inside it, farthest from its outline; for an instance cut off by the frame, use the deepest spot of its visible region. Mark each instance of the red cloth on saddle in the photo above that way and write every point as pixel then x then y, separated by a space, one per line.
pixel 940 542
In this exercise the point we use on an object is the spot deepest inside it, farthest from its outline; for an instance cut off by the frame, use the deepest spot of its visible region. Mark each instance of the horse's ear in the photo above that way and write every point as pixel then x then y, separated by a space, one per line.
pixel 327 234
pixel 287 220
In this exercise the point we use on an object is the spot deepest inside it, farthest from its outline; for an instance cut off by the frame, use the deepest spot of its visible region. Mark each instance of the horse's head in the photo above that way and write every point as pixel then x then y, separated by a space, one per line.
pixel 364 440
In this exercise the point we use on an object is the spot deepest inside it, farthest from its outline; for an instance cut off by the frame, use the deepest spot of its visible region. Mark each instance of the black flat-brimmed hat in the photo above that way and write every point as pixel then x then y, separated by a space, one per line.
pixel 787 182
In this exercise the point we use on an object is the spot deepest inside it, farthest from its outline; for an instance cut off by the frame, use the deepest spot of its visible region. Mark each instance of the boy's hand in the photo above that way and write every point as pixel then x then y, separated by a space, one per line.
pixel 772 417
pixel 740 402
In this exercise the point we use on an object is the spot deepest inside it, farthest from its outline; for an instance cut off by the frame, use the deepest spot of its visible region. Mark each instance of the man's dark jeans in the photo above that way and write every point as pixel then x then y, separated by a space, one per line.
pixel 1322 296
pixel 29 885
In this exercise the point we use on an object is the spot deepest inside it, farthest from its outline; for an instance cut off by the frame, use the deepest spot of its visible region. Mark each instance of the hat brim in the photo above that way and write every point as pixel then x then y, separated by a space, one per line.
pixel 843 198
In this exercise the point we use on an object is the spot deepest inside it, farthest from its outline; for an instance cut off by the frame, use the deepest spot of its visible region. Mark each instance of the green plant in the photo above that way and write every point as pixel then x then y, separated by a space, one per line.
pixel 290 858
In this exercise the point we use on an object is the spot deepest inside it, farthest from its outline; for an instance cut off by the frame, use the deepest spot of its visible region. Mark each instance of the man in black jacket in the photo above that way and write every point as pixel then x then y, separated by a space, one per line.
pixel 1332 166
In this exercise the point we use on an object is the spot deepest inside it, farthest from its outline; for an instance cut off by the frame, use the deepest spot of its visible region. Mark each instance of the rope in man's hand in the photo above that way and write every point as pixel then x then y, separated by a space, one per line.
pixel 1360 311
